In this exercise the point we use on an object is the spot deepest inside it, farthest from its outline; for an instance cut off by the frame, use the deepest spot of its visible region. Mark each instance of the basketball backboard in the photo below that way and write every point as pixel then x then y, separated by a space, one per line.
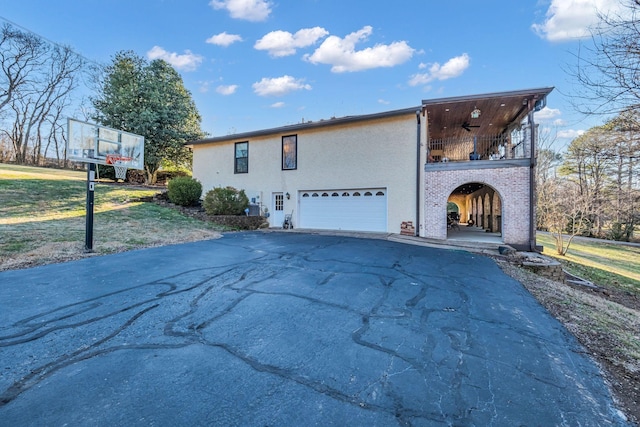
pixel 91 143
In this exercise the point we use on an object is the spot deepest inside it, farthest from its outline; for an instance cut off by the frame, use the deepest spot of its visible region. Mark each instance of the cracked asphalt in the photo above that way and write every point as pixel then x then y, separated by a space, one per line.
pixel 280 329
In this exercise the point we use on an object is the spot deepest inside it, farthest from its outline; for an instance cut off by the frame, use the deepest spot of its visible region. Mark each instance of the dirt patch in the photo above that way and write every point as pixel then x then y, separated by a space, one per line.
pixel 48 253
pixel 605 321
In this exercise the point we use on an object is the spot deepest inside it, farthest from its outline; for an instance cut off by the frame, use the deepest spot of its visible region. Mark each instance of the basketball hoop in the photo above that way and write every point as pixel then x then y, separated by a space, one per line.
pixel 117 161
pixel 100 145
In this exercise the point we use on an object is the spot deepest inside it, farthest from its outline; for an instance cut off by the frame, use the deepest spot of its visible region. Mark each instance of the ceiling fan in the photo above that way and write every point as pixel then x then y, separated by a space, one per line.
pixel 466 126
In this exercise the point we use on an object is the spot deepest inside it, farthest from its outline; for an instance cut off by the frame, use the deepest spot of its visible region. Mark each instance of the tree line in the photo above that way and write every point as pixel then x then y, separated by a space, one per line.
pixel 594 188
pixel 41 85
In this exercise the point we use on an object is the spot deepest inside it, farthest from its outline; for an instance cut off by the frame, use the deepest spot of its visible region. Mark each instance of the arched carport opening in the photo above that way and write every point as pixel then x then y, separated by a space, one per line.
pixel 479 212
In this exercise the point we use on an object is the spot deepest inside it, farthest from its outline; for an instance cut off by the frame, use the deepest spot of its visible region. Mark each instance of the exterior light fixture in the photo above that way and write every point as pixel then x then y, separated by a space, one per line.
pixel 475 113
pixel 288 196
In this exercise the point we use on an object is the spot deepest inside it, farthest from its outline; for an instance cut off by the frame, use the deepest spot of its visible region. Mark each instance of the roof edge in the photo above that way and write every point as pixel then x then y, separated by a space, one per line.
pixel 536 91
pixel 308 125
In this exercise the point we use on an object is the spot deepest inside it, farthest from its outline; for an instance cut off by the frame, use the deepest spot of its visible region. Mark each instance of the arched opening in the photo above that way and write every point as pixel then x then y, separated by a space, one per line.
pixel 474 213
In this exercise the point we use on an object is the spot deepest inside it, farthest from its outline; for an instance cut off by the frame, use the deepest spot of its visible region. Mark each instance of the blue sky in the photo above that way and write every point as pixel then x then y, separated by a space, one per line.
pixel 254 64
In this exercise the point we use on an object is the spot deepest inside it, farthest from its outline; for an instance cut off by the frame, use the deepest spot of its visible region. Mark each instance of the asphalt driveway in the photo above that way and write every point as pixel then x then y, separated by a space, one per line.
pixel 281 329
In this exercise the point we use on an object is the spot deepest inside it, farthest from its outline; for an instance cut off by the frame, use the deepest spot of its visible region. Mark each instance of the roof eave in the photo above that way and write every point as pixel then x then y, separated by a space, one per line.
pixel 544 91
pixel 307 125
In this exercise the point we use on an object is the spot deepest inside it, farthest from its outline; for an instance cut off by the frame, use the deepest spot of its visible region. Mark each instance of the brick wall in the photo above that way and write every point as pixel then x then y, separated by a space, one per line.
pixel 511 183
pixel 407 228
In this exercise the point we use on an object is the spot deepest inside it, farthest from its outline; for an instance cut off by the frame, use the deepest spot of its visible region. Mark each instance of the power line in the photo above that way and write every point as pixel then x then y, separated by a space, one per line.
pixel 23 28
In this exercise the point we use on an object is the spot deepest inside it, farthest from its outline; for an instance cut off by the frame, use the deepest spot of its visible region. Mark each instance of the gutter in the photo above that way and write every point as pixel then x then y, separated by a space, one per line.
pixel 532 180
pixel 418 167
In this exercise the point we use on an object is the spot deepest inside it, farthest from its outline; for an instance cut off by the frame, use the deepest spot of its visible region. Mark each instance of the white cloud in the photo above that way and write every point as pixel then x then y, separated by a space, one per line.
pixel 452 68
pixel 279 86
pixel 186 62
pixel 283 43
pixel 570 133
pixel 249 10
pixel 277 105
pixel 224 39
pixel 383 101
pixel 342 55
pixel 226 89
pixel 547 114
pixel 571 19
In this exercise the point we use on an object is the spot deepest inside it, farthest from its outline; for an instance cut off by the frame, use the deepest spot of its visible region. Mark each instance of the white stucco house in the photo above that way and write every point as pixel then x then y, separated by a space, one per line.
pixel 397 171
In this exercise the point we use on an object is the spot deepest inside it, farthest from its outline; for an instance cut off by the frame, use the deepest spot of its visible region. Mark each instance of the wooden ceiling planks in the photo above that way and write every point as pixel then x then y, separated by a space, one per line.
pixel 448 117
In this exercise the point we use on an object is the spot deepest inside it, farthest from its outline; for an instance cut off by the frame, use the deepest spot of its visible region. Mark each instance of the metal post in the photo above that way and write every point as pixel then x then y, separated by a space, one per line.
pixel 418 174
pixel 91 177
pixel 532 179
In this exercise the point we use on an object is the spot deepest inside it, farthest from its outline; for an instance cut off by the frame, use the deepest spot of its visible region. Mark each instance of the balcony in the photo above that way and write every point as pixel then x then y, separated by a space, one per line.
pixel 513 146
pixel 482 130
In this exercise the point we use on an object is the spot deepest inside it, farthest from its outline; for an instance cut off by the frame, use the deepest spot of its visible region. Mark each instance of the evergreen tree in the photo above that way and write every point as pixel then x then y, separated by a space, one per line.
pixel 149 99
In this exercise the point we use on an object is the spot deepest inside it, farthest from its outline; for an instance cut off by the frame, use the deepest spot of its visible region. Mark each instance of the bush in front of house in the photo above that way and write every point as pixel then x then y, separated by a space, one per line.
pixel 184 191
pixel 240 222
pixel 225 201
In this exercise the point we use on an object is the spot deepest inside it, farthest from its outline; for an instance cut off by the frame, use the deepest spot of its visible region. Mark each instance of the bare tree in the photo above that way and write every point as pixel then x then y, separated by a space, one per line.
pixel 606 69
pixel 44 89
pixel 547 162
pixel 563 211
pixel 57 135
pixel 20 55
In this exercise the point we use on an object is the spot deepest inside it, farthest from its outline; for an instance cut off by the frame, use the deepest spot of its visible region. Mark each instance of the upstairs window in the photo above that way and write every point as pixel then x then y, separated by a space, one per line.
pixel 290 152
pixel 241 157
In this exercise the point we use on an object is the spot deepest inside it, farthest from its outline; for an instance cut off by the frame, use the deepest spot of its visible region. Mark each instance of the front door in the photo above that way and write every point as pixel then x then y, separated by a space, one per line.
pixel 277 207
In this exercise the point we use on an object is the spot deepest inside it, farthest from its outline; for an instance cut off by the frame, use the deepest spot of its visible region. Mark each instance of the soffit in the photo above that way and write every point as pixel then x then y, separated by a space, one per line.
pixel 498 112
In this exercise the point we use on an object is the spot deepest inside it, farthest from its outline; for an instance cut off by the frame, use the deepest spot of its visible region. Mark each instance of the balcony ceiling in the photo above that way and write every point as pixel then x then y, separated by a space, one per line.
pixel 498 111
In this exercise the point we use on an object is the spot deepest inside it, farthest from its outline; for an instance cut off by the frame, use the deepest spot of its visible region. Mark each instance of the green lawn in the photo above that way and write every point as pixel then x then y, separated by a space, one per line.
pixel 606 264
pixel 42 217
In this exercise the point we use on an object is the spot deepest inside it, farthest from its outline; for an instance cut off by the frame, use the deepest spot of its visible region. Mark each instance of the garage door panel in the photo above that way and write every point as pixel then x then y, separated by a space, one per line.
pixel 348 210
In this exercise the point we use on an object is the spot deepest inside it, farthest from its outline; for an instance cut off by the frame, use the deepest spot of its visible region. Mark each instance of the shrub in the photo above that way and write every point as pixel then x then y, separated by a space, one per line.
pixel 621 232
pixel 225 201
pixel 184 191
pixel 107 172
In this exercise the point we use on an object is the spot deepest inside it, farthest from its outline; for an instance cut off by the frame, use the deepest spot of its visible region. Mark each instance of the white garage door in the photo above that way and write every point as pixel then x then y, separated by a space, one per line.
pixel 356 210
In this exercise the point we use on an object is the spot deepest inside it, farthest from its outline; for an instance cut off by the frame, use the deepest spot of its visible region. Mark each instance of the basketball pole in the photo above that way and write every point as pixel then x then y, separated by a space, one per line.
pixel 91 183
pixel 99 145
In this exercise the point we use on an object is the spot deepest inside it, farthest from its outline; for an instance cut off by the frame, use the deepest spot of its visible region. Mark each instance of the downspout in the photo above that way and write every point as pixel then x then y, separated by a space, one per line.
pixel 532 179
pixel 418 165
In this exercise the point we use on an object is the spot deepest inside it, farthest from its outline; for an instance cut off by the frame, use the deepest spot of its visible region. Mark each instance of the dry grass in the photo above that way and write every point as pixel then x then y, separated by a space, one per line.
pixel 42 218
pixel 602 262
